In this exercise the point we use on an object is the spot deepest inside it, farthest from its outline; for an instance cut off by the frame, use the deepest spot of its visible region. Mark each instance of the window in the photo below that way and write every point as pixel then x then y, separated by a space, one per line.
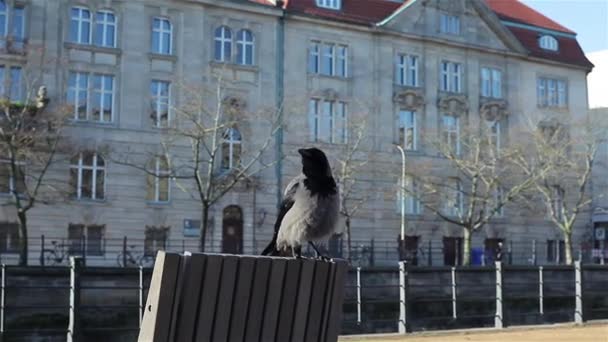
pixel 10 183
pixel 411 203
pixel 87 176
pixel 244 47
pixel 454 205
pixel 158 180
pixel 408 249
pixel 231 149
pixel 407 70
pixel 9 237
pixel 493 250
pixel 449 24
pixel 452 251
pixel 156 239
pixel 451 132
pixel 160 91
pixel 548 43
pixel 80 26
pixel 11 79
pixel 162 36
pixel 86 237
pixel 105 29
pixel 95 102
pixel 491 83
pixel 328 59
pixel 494 135
pixel 499 195
pixel 552 93
pixel 328 121
pixel 556 251
pixel 451 76
pixel 223 44
pixel 408 132
pixel 557 201
pixel 331 4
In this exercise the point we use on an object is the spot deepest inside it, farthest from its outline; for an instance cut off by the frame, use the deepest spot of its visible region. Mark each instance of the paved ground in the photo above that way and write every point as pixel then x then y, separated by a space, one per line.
pixel 589 333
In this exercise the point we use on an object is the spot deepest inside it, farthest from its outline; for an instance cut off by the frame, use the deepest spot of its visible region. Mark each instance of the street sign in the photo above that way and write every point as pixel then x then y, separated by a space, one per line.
pixel 192 228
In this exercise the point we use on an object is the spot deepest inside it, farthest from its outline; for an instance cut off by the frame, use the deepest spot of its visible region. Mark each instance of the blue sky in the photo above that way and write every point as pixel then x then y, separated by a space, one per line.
pixel 588 18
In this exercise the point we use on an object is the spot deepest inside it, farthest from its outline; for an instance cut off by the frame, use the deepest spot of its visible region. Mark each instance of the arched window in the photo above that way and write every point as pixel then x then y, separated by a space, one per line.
pixel 223 44
pixel 80 25
pixel 548 43
pixel 158 180
pixel 231 148
pixel 105 28
pixel 87 176
pixel 244 46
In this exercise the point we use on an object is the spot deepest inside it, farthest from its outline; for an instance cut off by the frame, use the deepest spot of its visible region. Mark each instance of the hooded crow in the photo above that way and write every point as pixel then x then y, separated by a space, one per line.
pixel 310 209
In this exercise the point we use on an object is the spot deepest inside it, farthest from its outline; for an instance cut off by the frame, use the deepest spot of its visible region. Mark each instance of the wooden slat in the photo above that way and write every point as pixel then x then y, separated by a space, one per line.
pixel 241 299
pixel 334 323
pixel 208 297
pixel 221 324
pixel 303 303
pixel 315 311
pixel 188 313
pixel 273 301
pixel 255 315
pixel 288 300
pixel 158 310
pixel 327 301
pixel 178 301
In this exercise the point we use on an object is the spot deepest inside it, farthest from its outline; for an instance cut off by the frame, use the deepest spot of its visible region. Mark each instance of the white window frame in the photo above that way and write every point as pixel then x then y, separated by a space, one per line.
pixel 161 36
pixel 224 41
pixel 449 24
pixel 159 100
pixel 158 173
pixel 498 195
pixel 242 45
pixel 491 83
pixel 12 84
pixel 336 119
pixel 330 4
pixel 80 22
pixel 77 91
pixel 454 204
pixel 11 178
pixel 232 142
pixel 403 124
pixel 552 92
pixel 4 13
pixel 104 25
pixel 452 132
pixel 556 203
pixel 407 70
pixel 314 56
pixel 411 204
pixel 102 92
pixel 91 91
pixel 451 77
pixel 548 42
pixel 328 55
pixel 494 136
pixel 80 167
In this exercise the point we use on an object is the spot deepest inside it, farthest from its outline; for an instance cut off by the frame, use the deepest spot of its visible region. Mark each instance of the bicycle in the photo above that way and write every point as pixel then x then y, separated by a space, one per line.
pixel 56 255
pixel 132 259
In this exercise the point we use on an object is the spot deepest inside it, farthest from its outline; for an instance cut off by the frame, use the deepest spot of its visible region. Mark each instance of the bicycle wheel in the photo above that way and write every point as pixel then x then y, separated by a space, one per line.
pixel 120 260
pixel 50 258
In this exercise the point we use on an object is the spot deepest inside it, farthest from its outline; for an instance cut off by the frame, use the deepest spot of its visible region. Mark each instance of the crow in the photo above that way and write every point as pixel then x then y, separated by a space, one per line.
pixel 310 209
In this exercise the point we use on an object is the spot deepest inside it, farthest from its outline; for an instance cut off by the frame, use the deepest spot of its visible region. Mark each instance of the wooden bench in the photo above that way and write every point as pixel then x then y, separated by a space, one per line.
pixel 217 297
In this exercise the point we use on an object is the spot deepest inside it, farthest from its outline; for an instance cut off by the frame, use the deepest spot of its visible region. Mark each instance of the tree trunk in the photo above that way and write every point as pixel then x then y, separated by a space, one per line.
pixel 568 247
pixel 204 225
pixel 466 247
pixel 22 238
pixel 348 238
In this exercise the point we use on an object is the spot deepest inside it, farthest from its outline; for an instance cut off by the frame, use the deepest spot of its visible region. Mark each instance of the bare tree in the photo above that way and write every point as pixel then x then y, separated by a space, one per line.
pixel 481 180
pixel 30 140
pixel 203 145
pixel 562 157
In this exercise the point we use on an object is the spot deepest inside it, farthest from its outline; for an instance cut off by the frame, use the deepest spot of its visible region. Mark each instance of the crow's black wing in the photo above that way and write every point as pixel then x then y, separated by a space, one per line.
pixel 288 201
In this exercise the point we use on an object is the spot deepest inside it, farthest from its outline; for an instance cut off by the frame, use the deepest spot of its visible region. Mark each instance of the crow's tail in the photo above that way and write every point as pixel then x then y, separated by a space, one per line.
pixel 271 249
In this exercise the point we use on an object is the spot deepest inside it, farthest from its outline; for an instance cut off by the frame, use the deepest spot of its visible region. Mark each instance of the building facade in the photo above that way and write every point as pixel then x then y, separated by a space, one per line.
pixel 410 71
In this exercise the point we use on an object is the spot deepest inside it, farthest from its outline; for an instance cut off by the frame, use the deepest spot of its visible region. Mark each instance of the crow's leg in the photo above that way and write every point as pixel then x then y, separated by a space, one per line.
pixel 319 254
pixel 297 252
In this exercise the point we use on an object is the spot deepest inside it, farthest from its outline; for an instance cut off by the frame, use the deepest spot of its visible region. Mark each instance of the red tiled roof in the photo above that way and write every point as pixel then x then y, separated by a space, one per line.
pixel 365 12
pixel 513 10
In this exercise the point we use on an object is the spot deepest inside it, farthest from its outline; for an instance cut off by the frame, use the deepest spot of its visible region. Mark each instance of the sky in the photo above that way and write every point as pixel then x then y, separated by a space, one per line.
pixel 588 18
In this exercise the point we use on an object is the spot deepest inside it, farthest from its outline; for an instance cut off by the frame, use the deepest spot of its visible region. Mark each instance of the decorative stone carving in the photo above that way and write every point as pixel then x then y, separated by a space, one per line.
pixel 453 104
pixel 493 110
pixel 409 98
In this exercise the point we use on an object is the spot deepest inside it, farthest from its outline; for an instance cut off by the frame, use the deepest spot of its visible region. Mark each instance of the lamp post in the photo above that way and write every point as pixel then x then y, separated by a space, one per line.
pixel 402 192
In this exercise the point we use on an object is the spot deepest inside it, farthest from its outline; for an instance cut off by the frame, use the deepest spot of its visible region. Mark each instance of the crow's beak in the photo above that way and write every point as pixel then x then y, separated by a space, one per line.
pixel 304 152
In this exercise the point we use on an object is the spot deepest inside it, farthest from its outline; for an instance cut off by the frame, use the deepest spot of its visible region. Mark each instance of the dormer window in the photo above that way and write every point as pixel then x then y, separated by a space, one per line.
pixel 449 24
pixel 331 4
pixel 548 43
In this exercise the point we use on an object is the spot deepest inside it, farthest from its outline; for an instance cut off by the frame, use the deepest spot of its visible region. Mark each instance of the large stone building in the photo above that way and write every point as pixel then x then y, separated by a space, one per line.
pixel 411 70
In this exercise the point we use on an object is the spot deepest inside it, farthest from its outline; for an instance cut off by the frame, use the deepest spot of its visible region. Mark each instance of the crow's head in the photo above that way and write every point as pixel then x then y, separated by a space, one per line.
pixel 314 163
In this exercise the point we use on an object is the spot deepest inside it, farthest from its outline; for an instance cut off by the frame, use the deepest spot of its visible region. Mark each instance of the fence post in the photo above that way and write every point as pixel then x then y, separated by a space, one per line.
pixel 83 249
pixel 578 278
pixel 124 251
pixel 454 315
pixel 498 318
pixel 510 252
pixel 603 251
pixel 403 327
pixel 430 255
pixel 74 324
pixel 359 295
pixel 534 252
pixel 541 294
pixel 2 296
pixel 42 250
pixel 371 257
pixel 141 294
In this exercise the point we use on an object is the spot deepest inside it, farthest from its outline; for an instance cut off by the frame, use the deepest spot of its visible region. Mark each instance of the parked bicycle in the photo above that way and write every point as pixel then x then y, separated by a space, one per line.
pixel 130 258
pixel 56 255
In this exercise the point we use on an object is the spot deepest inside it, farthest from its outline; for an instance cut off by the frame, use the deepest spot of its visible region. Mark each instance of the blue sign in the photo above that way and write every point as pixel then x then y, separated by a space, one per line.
pixel 192 228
